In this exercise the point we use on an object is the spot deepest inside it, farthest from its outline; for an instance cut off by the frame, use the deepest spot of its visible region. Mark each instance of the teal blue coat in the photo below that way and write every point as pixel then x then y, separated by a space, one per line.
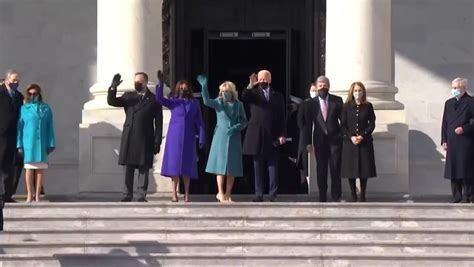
pixel 225 156
pixel 36 132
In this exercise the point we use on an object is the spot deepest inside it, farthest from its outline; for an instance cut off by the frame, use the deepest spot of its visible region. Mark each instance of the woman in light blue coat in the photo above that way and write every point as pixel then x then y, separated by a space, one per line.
pixel 35 138
pixel 225 156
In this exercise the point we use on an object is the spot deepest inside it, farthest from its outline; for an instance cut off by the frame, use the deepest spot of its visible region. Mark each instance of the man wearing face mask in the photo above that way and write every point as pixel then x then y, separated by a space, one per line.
pixel 11 101
pixel 457 139
pixel 141 135
pixel 323 137
pixel 265 130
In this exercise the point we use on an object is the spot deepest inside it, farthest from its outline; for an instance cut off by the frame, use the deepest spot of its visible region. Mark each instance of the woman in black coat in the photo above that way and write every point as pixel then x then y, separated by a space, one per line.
pixel 358 123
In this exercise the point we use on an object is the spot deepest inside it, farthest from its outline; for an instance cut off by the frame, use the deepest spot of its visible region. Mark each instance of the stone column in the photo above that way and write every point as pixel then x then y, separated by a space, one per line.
pixel 359 48
pixel 128 41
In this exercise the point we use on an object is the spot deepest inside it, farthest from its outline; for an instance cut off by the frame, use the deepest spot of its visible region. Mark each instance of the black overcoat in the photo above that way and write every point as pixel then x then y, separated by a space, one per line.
pixel 358 161
pixel 143 127
pixel 9 114
pixel 266 124
pixel 460 153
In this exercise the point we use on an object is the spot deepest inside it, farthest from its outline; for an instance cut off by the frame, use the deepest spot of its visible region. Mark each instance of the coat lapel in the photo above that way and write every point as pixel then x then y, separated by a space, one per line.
pixel 140 104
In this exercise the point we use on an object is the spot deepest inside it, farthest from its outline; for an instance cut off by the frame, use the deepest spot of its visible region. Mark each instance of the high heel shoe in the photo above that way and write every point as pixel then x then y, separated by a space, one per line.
pixel 174 198
pixel 220 198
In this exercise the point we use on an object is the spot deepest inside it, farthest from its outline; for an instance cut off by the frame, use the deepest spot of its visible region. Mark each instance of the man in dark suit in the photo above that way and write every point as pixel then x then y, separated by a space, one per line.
pixel 323 137
pixel 142 132
pixel 265 130
pixel 457 139
pixel 10 104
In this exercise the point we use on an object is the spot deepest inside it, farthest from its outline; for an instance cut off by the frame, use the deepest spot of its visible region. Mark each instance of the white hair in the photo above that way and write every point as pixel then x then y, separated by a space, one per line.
pixel 10 72
pixel 462 81
pixel 323 78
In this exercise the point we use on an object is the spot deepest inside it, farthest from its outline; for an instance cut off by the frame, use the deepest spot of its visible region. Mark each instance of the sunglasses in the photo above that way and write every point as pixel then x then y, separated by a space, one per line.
pixel 33 94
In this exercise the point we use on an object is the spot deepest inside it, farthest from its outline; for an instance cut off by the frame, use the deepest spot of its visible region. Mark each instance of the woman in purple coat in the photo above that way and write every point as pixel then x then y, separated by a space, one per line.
pixel 179 159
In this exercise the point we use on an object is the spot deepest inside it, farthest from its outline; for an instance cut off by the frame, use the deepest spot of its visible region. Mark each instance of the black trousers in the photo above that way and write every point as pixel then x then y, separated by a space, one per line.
pixel 143 173
pixel 1 214
pixel 462 189
pixel 13 175
pixel 329 154
pixel 259 165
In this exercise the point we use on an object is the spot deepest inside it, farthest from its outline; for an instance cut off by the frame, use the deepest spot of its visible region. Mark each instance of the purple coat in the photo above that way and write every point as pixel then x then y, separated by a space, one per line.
pixel 179 158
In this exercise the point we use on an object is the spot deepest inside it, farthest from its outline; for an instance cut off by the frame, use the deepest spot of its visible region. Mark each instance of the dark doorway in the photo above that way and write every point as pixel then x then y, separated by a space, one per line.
pixel 235 60
pixel 228 40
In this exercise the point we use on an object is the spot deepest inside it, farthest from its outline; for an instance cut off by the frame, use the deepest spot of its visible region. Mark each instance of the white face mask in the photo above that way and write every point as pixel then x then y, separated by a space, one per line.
pixel 313 94
pixel 358 95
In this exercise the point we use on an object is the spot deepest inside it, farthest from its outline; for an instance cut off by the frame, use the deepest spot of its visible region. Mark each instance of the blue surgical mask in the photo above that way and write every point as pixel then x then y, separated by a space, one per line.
pixel 227 96
pixel 455 92
pixel 35 99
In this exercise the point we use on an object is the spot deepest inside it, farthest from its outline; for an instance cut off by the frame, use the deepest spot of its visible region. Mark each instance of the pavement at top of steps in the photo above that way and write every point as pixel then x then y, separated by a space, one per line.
pixel 166 197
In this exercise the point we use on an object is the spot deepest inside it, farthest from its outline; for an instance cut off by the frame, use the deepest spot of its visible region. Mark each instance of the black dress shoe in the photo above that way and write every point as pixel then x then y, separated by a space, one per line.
pixel 456 200
pixel 10 200
pixel 257 199
pixel 273 199
pixel 126 199
pixel 142 199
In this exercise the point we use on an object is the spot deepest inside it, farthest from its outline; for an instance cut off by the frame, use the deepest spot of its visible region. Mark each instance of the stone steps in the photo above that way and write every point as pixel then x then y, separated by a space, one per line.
pixel 238 234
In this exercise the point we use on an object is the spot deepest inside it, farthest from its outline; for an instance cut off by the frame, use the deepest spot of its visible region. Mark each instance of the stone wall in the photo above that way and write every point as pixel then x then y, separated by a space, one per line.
pixel 433 43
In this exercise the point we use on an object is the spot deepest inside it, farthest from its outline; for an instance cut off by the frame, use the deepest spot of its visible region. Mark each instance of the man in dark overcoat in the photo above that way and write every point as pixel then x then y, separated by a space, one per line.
pixel 323 137
pixel 142 132
pixel 265 130
pixel 457 139
pixel 11 101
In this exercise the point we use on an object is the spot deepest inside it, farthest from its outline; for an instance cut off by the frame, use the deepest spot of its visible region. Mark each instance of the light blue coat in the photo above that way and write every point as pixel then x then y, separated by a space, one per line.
pixel 225 156
pixel 36 132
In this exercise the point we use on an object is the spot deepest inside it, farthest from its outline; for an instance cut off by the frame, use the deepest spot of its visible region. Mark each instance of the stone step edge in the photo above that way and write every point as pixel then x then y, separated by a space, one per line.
pixel 74 217
pixel 239 205
pixel 220 256
pixel 241 229
pixel 236 242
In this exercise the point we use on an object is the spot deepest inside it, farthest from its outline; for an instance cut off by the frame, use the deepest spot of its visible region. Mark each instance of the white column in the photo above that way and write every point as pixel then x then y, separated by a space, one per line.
pixel 359 48
pixel 128 40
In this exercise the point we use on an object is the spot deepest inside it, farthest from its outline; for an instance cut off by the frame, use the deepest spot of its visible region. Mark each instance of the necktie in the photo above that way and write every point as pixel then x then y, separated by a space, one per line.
pixel 267 95
pixel 324 110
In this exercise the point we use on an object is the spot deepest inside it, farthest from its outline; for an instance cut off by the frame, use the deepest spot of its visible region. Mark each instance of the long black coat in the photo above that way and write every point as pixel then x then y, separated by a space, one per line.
pixel 143 127
pixel 266 124
pixel 302 159
pixel 9 114
pixel 358 161
pixel 328 131
pixel 460 153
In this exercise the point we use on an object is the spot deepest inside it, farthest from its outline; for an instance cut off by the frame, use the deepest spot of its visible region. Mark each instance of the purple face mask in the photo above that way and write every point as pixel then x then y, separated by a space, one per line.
pixel 13 86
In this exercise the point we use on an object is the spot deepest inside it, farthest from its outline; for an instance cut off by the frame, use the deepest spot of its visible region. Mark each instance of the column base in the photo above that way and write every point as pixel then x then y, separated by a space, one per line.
pixel 99 145
pixel 391 156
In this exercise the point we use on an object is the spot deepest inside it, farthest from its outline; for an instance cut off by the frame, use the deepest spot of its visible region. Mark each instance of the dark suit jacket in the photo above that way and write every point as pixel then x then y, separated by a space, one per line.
pixel 324 131
pixel 266 124
pixel 460 154
pixel 9 114
pixel 9 110
pixel 143 127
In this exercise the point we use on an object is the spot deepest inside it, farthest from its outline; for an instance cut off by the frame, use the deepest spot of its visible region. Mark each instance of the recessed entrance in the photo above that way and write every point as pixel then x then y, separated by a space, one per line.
pixel 228 40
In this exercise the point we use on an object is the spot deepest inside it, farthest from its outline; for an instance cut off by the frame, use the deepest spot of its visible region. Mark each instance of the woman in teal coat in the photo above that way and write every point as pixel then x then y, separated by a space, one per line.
pixel 225 157
pixel 35 138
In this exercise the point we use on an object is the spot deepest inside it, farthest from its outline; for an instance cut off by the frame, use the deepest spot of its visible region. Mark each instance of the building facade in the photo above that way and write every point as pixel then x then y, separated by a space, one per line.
pixel 406 52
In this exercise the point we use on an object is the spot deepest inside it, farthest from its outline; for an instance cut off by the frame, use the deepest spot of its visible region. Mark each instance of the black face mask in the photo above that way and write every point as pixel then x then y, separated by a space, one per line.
pixel 139 87
pixel 323 93
pixel 264 85
pixel 185 94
